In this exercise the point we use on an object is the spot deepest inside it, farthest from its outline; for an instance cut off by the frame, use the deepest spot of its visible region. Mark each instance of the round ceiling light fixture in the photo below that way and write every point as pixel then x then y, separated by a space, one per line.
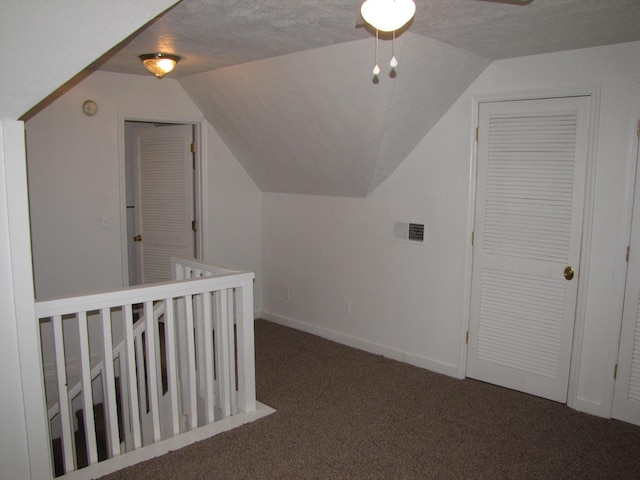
pixel 159 63
pixel 388 15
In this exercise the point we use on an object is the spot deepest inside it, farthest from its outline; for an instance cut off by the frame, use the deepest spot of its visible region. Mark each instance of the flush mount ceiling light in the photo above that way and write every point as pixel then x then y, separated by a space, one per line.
pixel 387 16
pixel 159 63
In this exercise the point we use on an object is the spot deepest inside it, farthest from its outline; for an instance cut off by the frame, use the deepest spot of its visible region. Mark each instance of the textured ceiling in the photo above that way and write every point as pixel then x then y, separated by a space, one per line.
pixel 211 34
pixel 314 122
pixel 287 84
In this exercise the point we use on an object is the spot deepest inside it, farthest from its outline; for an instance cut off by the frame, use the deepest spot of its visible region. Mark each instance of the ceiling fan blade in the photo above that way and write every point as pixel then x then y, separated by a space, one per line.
pixel 511 2
pixel 361 23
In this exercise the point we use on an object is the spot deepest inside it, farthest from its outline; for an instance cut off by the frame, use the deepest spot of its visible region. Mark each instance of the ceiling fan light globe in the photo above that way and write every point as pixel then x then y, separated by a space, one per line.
pixel 388 15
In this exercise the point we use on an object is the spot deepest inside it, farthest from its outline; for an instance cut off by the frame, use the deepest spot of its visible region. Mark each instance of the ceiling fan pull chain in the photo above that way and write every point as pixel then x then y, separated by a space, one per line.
pixel 394 61
pixel 376 69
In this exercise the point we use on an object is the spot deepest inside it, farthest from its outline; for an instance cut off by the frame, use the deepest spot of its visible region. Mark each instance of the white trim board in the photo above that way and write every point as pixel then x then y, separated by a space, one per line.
pixel 365 345
pixel 174 443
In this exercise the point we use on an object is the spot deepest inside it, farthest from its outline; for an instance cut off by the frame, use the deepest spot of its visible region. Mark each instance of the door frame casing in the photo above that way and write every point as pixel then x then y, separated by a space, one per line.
pixel 633 163
pixel 200 192
pixel 594 93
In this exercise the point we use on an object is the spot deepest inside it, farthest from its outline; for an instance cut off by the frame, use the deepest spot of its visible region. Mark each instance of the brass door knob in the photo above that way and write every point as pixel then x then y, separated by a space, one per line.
pixel 568 272
pixel 137 238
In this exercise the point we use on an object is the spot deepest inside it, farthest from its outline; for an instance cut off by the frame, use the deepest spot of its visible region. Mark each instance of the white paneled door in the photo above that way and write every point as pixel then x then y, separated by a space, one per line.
pixel 532 157
pixel 626 400
pixel 163 164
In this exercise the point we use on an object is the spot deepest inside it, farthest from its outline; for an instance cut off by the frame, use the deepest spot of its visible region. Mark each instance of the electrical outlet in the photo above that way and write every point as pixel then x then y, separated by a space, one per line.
pixel 346 307
pixel 287 293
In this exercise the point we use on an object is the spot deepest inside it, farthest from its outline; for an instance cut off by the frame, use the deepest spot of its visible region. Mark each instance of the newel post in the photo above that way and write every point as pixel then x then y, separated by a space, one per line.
pixel 246 347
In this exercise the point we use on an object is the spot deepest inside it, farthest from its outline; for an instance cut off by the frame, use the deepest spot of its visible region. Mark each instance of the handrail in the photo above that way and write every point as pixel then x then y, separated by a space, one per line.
pixel 139 294
pixel 198 265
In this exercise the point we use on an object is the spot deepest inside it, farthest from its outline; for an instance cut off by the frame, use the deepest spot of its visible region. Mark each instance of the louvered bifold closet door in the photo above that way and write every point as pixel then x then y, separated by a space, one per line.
pixel 164 198
pixel 529 201
pixel 626 405
pixel 626 402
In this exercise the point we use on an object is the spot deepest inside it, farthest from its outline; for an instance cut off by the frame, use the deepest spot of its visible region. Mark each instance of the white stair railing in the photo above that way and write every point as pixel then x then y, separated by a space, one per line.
pixel 170 383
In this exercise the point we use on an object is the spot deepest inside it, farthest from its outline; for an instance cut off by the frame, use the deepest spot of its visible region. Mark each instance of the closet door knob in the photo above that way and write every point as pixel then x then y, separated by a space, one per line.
pixel 568 272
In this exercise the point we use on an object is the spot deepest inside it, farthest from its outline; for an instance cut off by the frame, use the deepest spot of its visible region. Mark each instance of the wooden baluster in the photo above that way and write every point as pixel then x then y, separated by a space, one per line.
pixel 110 407
pixel 152 372
pixel 183 356
pixel 232 349
pixel 172 367
pixel 177 268
pixel 191 381
pixel 132 379
pixel 63 395
pixel 87 393
pixel 222 353
pixel 200 346
pixel 157 313
pixel 141 380
pixel 208 358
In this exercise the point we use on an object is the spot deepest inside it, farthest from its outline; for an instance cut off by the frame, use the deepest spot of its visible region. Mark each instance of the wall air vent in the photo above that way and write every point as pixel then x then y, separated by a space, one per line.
pixel 409 232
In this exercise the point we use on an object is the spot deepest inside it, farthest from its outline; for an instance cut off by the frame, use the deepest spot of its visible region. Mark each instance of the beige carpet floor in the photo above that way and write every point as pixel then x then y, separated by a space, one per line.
pixel 342 413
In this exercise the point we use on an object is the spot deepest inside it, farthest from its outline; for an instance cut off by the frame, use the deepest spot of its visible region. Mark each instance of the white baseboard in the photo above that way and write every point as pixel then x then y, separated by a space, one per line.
pixel 366 345
pixel 157 449
pixel 587 406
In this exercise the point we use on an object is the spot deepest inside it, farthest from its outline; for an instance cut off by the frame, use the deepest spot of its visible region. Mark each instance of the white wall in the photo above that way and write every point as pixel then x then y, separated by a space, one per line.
pixel 73 162
pixel 235 215
pixel 408 301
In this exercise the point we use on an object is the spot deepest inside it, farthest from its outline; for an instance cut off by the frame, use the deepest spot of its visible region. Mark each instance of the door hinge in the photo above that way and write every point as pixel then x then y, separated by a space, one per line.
pixel 473 238
pixel 467 339
pixel 193 147
pixel 477 133
pixel 628 253
pixel 615 372
pixel 194 226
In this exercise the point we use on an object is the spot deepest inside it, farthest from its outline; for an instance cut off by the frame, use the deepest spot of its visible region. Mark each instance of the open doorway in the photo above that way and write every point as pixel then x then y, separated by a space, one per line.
pixel 161 197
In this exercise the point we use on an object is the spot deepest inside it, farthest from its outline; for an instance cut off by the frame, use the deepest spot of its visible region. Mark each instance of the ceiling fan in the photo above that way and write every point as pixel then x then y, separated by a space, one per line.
pixel 399 12
pixel 391 16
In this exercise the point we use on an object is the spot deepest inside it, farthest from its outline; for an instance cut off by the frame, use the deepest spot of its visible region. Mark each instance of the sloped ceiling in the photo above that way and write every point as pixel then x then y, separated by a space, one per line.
pixel 212 34
pixel 37 37
pixel 288 84
pixel 316 122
